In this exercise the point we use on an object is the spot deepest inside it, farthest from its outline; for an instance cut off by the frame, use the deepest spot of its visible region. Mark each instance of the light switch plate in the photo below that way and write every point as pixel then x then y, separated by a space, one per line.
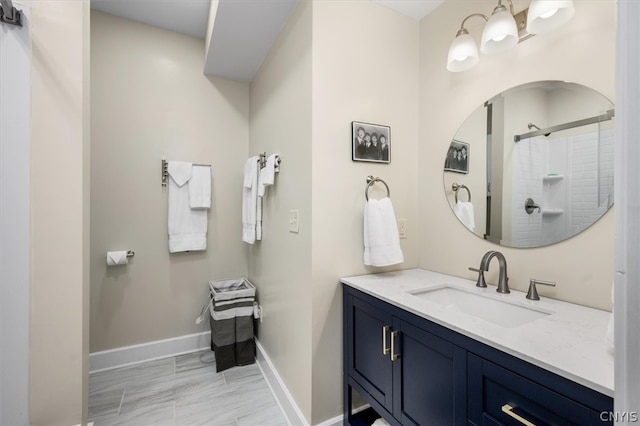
pixel 293 221
pixel 402 228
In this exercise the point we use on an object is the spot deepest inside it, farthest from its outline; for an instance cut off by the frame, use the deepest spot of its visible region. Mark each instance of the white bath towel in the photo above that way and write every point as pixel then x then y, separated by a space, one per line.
pixel 200 187
pixel 250 199
pixel 464 211
pixel 268 173
pixel 381 240
pixel 187 226
pixel 180 171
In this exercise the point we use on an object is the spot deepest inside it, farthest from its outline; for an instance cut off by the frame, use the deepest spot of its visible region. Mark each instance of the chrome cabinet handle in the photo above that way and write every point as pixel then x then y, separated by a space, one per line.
pixel 385 349
pixel 508 410
pixel 394 355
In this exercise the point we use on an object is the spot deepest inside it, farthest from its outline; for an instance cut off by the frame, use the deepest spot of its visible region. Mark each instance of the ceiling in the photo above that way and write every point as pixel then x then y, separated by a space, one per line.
pixel 234 52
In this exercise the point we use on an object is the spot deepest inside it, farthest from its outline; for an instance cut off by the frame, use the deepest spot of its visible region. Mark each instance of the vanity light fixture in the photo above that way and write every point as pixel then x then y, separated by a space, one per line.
pixel 547 15
pixel 504 29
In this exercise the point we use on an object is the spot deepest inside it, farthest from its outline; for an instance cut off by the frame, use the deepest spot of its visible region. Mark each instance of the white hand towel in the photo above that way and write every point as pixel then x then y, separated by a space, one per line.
pixel 381 240
pixel 200 187
pixel 268 172
pixel 464 211
pixel 180 171
pixel 187 226
pixel 250 199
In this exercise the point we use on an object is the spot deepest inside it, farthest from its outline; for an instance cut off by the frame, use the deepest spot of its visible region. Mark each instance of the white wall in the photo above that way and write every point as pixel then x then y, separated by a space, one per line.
pixel 149 99
pixel 446 99
pixel 365 68
pixel 280 264
pixel 15 140
pixel 319 77
pixel 627 291
pixel 59 346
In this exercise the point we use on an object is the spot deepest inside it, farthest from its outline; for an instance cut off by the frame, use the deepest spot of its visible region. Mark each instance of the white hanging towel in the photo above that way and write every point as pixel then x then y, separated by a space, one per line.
pixel 464 211
pixel 187 226
pixel 268 173
pixel 200 187
pixel 381 240
pixel 266 178
pixel 250 199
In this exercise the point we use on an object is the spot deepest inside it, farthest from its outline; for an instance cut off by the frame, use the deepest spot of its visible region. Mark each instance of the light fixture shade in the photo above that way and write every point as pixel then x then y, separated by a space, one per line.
pixel 500 33
pixel 463 54
pixel 547 15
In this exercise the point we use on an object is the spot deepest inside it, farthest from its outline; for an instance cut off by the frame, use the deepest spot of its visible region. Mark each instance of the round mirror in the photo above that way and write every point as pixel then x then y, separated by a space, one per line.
pixel 533 165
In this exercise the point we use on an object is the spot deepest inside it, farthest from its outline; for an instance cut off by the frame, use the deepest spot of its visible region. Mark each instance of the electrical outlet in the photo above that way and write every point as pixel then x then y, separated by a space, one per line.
pixel 293 221
pixel 402 228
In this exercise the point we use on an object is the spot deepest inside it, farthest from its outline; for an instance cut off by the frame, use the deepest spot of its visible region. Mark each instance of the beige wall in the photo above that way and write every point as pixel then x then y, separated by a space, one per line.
pixel 59 212
pixel 583 52
pixel 369 76
pixel 280 265
pixel 320 76
pixel 150 99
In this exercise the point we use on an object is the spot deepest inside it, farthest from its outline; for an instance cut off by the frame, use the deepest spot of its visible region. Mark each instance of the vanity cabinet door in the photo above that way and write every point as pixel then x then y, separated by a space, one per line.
pixel 429 378
pixel 368 328
pixel 498 396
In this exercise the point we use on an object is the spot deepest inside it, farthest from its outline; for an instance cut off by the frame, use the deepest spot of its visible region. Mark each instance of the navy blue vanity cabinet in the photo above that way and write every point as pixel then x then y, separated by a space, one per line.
pixel 500 396
pixel 412 371
pixel 408 375
pixel 429 378
pixel 368 350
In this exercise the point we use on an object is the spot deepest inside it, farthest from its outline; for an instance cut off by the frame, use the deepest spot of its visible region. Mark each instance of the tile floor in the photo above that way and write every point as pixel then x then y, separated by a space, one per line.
pixel 182 391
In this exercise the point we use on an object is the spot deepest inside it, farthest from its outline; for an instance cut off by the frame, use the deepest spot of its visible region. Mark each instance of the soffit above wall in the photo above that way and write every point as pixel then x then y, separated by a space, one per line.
pixel 242 33
pixel 243 30
pixel 185 17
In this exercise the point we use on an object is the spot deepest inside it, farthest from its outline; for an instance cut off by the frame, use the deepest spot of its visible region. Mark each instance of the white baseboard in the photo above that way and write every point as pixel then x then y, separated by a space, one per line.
pixel 129 355
pixel 279 390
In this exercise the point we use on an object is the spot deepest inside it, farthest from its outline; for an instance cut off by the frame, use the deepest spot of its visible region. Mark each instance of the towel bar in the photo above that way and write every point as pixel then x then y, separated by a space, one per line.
pixel 455 187
pixel 370 181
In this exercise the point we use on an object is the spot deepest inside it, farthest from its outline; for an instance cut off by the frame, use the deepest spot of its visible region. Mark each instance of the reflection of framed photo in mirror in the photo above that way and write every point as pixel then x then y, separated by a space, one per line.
pixel 457 157
pixel 370 142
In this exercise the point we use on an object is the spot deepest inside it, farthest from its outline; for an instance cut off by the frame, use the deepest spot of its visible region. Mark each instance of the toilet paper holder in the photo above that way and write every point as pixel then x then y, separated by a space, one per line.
pixel 131 253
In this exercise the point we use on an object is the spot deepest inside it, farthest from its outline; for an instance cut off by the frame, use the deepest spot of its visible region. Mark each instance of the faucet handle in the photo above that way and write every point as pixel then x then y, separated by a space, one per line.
pixel 481 282
pixel 532 294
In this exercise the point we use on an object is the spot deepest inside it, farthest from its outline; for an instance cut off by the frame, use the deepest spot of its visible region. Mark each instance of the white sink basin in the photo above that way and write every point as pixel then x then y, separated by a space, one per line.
pixel 489 308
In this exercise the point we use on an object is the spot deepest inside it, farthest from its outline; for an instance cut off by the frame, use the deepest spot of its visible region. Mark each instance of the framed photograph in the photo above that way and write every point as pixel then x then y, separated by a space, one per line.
pixel 370 142
pixel 457 157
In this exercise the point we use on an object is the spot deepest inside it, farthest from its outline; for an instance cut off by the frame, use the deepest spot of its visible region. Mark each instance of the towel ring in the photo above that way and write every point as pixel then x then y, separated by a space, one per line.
pixel 370 181
pixel 455 187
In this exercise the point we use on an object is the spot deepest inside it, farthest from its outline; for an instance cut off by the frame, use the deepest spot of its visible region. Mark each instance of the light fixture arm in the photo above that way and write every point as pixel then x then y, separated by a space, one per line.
pixel 510 6
pixel 463 30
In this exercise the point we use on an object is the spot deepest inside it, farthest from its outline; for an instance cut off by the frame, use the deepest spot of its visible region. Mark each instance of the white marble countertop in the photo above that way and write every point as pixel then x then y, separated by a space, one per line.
pixel 569 342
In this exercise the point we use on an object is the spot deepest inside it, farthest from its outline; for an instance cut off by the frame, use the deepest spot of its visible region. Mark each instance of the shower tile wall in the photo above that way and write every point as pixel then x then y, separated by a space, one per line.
pixel 592 181
pixel 587 163
pixel 530 163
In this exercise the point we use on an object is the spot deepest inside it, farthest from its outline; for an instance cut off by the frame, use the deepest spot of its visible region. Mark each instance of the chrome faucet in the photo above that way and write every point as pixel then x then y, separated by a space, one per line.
pixel 503 279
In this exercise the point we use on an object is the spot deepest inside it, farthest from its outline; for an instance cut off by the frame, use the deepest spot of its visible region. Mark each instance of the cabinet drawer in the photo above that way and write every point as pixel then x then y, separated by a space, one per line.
pixel 494 387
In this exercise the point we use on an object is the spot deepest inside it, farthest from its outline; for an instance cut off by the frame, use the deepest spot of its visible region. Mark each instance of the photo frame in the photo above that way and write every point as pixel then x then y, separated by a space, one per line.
pixel 370 142
pixel 457 157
